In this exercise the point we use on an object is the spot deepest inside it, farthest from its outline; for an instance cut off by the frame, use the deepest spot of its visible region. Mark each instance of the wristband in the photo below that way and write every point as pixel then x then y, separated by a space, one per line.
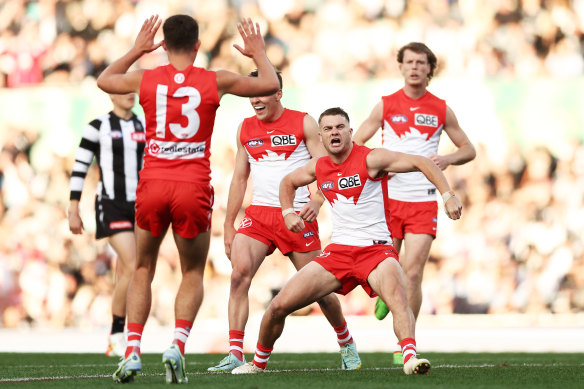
pixel 447 195
pixel 288 211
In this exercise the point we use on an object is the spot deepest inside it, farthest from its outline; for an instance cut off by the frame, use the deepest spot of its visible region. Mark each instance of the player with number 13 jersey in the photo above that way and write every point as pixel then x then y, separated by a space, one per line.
pixel 180 111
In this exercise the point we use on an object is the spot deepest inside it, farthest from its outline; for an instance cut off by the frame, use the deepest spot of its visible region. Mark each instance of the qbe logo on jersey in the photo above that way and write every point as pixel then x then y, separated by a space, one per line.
pixel 423 119
pixel 283 140
pixel 349 182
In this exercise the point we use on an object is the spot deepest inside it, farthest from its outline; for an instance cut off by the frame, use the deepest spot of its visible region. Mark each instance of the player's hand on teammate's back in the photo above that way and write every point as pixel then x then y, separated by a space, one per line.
pixel 310 211
pixel 293 222
pixel 253 42
pixel 453 208
pixel 145 39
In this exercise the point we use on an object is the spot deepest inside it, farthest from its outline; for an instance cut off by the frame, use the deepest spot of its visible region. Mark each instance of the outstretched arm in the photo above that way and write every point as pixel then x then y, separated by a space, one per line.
pixel 465 151
pixel 266 82
pixel 382 161
pixel 236 194
pixel 300 177
pixel 368 128
pixel 116 78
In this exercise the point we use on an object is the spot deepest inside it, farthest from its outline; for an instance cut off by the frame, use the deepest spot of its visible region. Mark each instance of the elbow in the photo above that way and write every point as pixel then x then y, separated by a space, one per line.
pixel 273 87
pixel 472 154
pixel 101 84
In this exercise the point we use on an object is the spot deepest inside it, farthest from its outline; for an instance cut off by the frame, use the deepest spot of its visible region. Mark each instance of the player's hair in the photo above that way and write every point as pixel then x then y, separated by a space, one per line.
pixel 255 73
pixel 420 48
pixel 334 112
pixel 181 33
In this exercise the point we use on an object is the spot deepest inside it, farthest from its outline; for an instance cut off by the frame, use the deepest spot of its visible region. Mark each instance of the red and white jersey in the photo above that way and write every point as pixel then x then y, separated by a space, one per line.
pixel 275 149
pixel 360 209
pixel 413 127
pixel 179 107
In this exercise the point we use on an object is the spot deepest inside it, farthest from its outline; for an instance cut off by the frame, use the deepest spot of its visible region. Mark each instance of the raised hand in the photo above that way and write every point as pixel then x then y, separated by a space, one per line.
pixel 253 42
pixel 145 39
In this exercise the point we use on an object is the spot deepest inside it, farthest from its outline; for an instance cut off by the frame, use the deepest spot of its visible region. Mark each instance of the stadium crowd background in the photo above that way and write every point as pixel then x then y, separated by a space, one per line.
pixel 519 247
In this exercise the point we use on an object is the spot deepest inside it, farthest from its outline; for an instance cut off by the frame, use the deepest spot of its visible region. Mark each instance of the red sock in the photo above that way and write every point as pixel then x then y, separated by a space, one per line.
pixel 343 334
pixel 182 329
pixel 408 346
pixel 236 343
pixel 262 355
pixel 134 338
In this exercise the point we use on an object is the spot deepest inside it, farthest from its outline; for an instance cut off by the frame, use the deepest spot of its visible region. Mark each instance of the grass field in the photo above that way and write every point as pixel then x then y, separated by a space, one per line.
pixel 312 370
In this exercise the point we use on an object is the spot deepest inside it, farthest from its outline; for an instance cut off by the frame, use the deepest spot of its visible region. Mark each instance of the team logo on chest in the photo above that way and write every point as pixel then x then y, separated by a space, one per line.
pixel 399 118
pixel 328 185
pixel 256 142
pixel 349 182
pixel 282 140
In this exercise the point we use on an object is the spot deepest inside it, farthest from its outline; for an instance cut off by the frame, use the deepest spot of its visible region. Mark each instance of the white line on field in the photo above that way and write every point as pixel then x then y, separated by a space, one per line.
pixel 199 373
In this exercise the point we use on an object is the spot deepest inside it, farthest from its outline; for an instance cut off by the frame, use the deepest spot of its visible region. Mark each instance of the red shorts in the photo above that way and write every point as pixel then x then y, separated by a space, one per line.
pixel 352 264
pixel 415 218
pixel 185 205
pixel 266 225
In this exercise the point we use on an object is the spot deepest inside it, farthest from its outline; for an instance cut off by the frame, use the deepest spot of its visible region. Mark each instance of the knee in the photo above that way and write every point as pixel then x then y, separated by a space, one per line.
pixel 240 278
pixel 125 268
pixel 278 309
pixel 413 275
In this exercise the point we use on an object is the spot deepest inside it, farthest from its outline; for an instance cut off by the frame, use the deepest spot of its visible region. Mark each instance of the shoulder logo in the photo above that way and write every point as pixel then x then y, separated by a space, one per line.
pixel 269 132
pixel 399 119
pixel 179 78
pixel 256 142
pixel 328 185
pixel 414 108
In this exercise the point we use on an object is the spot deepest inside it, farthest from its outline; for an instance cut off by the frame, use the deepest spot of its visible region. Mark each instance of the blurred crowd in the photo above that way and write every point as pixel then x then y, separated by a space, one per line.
pixel 309 40
pixel 518 248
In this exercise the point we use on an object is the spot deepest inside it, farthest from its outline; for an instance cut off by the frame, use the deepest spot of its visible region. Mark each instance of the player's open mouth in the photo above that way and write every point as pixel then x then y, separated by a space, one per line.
pixel 259 108
pixel 335 141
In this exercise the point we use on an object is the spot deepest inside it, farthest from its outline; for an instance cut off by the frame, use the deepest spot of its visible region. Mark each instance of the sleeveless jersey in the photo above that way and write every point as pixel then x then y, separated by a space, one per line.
pixel 413 127
pixel 179 107
pixel 275 149
pixel 360 208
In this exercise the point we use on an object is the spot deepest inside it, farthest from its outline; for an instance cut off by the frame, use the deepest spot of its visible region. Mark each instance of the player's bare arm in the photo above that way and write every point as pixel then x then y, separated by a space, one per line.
pixel 310 211
pixel 236 193
pixel 254 47
pixel 300 177
pixel 381 161
pixel 370 126
pixel 465 151
pixel 116 78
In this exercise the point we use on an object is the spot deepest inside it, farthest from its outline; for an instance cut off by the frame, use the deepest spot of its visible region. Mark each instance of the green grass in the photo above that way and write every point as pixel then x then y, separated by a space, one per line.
pixel 312 370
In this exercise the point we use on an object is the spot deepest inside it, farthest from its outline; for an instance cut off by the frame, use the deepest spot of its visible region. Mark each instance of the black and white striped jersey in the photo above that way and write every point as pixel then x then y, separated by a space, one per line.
pixel 118 147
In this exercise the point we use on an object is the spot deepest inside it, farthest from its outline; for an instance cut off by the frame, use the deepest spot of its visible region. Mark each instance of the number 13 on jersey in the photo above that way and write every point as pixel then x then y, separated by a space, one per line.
pixel 187 110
